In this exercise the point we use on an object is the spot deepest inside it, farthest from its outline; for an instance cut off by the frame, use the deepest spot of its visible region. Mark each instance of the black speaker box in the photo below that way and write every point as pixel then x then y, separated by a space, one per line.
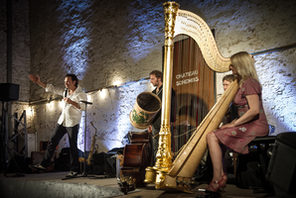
pixel 252 167
pixel 9 92
pixel 62 163
pixel 282 168
pixel 103 164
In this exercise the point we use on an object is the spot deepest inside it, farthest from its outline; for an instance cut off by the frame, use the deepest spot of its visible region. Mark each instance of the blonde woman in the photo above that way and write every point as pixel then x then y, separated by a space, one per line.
pixel 251 121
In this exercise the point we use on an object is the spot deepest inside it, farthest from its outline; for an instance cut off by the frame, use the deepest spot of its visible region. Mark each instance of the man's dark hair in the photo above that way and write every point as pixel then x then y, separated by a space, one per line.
pixel 74 78
pixel 158 74
pixel 229 77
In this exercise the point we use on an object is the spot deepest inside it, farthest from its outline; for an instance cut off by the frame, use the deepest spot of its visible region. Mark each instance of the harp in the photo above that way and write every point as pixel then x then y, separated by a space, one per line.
pixel 178 174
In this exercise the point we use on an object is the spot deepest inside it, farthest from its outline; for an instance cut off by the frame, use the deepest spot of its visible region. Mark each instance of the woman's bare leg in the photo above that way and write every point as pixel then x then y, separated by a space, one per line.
pixel 216 156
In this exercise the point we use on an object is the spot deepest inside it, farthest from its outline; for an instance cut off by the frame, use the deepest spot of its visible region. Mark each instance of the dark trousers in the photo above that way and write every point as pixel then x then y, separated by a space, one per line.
pixel 155 139
pixel 60 131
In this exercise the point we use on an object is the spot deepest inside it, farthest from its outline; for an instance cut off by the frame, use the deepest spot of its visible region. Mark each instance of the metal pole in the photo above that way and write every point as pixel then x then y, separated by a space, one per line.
pixel 84 153
pixel 26 134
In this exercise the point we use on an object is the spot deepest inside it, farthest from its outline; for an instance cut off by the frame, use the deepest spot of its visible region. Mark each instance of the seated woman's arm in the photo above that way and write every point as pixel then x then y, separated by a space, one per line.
pixel 254 108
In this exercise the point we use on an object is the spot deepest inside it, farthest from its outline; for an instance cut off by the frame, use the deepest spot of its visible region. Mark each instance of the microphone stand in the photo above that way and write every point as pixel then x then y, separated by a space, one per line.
pixel 84 174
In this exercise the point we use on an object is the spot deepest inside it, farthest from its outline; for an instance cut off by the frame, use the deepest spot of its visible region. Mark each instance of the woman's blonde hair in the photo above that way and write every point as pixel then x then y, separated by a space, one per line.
pixel 244 64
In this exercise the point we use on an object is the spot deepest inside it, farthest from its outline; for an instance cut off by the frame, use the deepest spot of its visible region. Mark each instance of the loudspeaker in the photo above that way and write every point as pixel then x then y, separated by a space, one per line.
pixel 103 164
pixel 9 92
pixel 37 157
pixel 62 163
pixel 252 167
pixel 282 168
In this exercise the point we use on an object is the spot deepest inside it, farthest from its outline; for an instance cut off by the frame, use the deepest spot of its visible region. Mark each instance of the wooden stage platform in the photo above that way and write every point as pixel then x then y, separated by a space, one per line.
pixel 52 185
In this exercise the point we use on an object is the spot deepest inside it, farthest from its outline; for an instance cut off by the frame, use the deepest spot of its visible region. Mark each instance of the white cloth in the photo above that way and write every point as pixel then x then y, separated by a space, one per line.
pixel 70 115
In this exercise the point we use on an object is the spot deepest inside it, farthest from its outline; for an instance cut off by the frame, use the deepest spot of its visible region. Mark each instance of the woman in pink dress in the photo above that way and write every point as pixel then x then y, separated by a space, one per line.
pixel 251 121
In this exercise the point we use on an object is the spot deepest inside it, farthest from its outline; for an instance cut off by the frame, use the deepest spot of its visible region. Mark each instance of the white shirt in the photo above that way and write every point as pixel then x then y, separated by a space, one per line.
pixel 70 115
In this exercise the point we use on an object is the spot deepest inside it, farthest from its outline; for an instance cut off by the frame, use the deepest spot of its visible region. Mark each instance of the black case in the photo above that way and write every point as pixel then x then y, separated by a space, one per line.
pixel 252 167
pixel 282 167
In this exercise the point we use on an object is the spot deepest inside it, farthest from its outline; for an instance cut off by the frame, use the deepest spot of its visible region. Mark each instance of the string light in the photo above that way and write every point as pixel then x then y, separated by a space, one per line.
pixel 117 82
pixel 89 98
pixel 103 93
pixel 50 105
pixel 30 111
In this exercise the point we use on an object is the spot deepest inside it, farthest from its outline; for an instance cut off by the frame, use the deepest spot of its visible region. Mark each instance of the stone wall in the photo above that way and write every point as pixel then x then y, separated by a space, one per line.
pixel 20 47
pixel 277 75
pixel 19 57
pixel 110 42
pixel 3 39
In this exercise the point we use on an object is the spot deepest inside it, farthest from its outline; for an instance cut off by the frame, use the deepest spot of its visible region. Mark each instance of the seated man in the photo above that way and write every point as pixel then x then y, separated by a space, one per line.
pixel 231 112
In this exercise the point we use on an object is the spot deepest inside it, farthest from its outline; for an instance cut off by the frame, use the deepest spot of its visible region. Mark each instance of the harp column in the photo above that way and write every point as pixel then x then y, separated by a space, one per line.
pixel 164 155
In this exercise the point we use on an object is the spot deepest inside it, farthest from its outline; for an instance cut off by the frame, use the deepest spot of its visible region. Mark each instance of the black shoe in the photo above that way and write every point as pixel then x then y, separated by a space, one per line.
pixel 72 174
pixel 39 167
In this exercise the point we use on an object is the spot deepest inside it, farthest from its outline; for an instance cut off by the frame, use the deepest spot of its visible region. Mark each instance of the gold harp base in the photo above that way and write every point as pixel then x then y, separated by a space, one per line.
pixel 163 181
pixel 157 177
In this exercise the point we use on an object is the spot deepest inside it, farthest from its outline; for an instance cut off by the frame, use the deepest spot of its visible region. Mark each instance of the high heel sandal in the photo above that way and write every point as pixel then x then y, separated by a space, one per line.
pixel 216 185
pixel 213 186
pixel 222 182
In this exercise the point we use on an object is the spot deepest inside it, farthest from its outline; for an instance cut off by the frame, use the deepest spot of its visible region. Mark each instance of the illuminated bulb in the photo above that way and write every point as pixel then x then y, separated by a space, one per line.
pixel 50 106
pixel 103 93
pixel 30 112
pixel 117 82
pixel 89 98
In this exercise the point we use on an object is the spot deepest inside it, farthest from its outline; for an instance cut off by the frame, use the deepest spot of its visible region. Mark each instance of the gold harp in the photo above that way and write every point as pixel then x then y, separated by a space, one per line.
pixel 178 174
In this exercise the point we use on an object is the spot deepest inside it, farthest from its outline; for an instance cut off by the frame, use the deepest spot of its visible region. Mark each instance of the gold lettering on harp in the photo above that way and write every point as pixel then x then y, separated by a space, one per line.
pixel 193 78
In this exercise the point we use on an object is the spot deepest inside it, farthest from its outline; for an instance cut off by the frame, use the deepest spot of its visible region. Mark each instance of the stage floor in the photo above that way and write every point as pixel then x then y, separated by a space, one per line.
pixel 52 185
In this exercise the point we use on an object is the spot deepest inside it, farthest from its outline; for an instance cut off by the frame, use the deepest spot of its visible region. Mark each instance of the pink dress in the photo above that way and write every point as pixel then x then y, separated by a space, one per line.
pixel 238 138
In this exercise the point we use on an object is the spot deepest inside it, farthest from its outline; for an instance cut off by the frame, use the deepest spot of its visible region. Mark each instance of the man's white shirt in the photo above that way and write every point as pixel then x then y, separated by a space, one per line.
pixel 70 115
